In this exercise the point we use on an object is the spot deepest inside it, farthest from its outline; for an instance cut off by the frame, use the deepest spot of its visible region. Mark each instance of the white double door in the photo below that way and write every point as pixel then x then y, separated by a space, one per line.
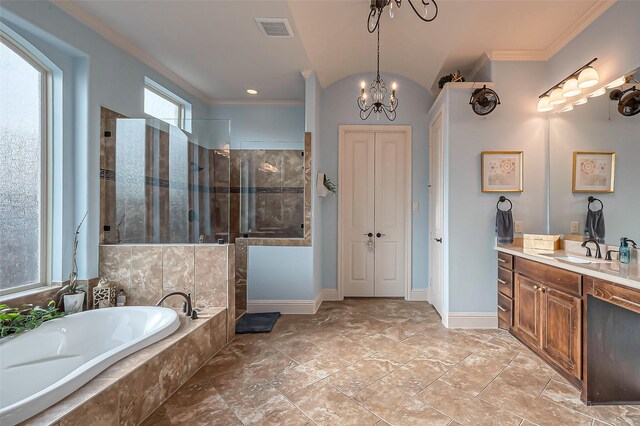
pixel 374 212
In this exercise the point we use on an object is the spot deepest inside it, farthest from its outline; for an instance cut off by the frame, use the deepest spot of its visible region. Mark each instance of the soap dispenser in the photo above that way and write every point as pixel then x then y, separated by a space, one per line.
pixel 625 250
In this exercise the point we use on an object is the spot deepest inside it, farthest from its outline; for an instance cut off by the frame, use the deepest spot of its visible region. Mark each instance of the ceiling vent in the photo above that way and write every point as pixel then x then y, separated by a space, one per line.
pixel 274 27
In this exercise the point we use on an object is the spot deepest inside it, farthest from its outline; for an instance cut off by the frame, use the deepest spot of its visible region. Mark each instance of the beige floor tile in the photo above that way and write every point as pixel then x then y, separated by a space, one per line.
pixel 527 374
pixel 465 408
pixel 360 375
pixel 437 350
pixel 568 396
pixel 474 373
pixel 344 347
pixel 416 375
pixel 294 379
pixel 397 408
pixel 535 409
pixel 401 331
pixel 297 348
pixel 326 405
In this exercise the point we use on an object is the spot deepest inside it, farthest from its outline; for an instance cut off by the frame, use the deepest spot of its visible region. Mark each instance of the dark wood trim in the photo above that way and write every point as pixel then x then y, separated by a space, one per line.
pixel 560 279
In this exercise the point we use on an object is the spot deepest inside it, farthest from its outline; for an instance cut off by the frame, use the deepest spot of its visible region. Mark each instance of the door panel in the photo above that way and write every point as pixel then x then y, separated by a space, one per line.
pixel 436 213
pixel 390 213
pixel 527 310
pixel 357 213
pixel 561 315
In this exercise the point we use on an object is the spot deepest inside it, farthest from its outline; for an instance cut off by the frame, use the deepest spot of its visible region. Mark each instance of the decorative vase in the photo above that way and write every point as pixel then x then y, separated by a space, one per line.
pixel 73 303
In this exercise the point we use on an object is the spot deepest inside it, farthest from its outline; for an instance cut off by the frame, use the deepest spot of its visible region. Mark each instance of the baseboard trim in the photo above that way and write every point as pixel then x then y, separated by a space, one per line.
pixel 330 295
pixel 284 306
pixel 419 295
pixel 472 320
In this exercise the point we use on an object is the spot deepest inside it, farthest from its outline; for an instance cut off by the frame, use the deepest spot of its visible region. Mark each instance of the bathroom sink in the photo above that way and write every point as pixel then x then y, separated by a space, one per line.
pixel 576 259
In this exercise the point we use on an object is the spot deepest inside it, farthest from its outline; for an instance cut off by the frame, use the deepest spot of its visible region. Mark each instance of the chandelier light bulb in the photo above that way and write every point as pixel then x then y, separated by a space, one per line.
pixel 571 88
pixel 363 84
pixel 556 97
pixel 581 101
pixel 391 11
pixel 588 77
pixel 544 105
pixel 601 91
pixel 617 82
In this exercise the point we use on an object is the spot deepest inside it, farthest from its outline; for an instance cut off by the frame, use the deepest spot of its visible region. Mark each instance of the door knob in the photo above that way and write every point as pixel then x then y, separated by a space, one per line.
pixel 380 235
pixel 439 240
pixel 370 234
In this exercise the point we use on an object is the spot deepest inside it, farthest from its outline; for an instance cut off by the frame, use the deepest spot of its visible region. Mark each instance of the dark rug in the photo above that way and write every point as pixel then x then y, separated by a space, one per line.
pixel 257 323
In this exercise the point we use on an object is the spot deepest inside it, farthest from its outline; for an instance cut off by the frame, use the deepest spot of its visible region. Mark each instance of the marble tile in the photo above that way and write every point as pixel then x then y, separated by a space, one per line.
pixel 437 350
pixel 396 408
pixel 210 276
pixel 177 271
pixel 325 405
pixel 298 348
pixel 102 410
pixel 474 373
pixel 569 397
pixel 343 347
pixel 145 286
pixel 413 377
pixel 526 373
pixel 358 376
pixel 465 408
pixel 402 330
pixel 115 265
pixel 529 407
pixel 295 379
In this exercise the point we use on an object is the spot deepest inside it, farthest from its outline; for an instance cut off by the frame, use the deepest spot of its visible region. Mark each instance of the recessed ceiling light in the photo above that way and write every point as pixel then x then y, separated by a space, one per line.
pixel 252 91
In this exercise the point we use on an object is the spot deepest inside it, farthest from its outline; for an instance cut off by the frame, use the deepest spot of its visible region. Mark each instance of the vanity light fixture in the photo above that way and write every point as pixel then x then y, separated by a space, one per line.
pixel 617 82
pixel 580 101
pixel 567 108
pixel 572 85
pixel 601 91
pixel 252 91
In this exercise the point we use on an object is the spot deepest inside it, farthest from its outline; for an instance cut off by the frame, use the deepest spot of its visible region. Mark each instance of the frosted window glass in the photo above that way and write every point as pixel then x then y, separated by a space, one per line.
pixel 161 108
pixel 20 170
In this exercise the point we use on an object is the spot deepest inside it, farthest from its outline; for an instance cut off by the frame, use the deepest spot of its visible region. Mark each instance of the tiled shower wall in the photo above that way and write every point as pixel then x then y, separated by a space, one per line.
pixel 147 272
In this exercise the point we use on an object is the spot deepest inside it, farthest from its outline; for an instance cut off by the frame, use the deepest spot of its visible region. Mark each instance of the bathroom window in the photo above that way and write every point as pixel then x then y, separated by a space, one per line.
pixel 23 168
pixel 166 106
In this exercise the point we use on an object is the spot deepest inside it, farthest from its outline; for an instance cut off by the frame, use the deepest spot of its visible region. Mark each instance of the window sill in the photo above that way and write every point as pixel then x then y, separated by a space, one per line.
pixel 38 293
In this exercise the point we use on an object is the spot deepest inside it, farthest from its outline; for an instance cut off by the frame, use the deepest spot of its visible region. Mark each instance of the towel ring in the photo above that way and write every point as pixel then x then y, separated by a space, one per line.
pixel 592 200
pixel 502 199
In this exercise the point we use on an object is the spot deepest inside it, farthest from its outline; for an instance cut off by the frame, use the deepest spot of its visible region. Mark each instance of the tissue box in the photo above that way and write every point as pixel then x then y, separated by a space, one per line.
pixel 541 242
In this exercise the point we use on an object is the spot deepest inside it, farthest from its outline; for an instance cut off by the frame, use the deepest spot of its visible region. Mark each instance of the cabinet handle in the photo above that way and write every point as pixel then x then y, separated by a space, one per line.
pixel 501 281
pixel 543 289
pixel 502 260
pixel 535 287
pixel 501 308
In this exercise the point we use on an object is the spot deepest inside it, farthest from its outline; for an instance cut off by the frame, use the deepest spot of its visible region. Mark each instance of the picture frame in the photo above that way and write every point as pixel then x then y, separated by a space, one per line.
pixel 593 172
pixel 502 171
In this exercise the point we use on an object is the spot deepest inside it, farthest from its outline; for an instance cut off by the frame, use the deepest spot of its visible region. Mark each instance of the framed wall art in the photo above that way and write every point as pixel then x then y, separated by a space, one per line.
pixel 502 171
pixel 593 171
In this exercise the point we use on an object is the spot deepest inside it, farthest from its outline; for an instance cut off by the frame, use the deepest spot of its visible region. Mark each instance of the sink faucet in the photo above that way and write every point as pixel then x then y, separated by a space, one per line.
pixel 598 253
pixel 186 308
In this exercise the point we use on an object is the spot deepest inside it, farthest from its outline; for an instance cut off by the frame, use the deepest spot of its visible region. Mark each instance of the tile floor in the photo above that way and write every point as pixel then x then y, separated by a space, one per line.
pixel 379 362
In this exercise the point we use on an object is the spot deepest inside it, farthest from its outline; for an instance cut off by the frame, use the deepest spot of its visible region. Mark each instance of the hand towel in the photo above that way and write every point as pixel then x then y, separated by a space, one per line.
pixel 594 225
pixel 504 226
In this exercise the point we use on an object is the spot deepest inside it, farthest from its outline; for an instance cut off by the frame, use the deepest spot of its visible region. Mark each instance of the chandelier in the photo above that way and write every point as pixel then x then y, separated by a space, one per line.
pixel 378 91
pixel 377 7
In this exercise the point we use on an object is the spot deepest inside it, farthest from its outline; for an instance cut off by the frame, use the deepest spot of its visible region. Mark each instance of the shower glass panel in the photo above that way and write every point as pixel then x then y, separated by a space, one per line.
pixel 271 178
pixel 160 184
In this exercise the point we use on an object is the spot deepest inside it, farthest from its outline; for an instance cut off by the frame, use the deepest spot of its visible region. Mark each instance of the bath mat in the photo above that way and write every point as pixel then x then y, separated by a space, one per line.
pixel 257 323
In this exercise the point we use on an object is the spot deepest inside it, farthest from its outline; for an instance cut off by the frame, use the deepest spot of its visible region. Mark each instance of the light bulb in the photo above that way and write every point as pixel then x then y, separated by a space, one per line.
pixel 617 82
pixel 426 11
pixel 571 88
pixel 588 77
pixel 601 91
pixel 362 84
pixel 394 85
pixel 581 101
pixel 543 104
pixel 556 98
pixel 391 12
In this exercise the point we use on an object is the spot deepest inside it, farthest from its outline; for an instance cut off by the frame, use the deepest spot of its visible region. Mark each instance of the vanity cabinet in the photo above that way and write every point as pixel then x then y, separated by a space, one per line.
pixel 505 290
pixel 548 313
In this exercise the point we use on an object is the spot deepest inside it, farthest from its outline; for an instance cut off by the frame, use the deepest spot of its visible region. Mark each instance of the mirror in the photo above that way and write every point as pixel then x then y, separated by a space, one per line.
pixel 596 127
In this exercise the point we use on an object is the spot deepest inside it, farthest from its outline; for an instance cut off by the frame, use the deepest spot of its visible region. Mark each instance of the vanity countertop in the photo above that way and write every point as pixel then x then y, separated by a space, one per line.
pixel 613 271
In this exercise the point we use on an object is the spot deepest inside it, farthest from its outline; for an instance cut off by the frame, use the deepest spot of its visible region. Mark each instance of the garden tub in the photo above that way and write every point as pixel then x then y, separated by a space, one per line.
pixel 41 367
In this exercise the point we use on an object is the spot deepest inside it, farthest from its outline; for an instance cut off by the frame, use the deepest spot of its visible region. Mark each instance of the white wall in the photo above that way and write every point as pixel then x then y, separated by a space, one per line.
pixel 512 126
pixel 339 107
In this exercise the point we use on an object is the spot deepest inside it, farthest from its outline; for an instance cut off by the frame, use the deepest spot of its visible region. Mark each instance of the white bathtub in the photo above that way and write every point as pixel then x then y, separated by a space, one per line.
pixel 42 366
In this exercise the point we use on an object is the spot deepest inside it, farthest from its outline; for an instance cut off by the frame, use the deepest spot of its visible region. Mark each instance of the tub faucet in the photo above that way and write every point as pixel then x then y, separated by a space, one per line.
pixel 186 307
pixel 598 253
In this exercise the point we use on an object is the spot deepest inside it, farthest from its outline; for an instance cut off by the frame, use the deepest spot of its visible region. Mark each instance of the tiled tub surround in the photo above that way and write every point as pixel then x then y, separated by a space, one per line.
pixel 130 390
pixel 242 244
pixel 384 362
pixel 147 272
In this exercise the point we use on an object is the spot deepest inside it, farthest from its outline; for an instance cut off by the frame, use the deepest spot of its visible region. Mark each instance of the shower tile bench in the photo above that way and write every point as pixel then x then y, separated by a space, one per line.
pixel 131 389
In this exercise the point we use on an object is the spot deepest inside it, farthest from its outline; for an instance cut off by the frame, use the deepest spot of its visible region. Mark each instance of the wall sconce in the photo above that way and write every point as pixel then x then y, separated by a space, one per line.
pixel 573 85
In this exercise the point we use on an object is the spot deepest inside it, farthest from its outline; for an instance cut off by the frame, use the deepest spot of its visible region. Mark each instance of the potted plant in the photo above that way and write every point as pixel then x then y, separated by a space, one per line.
pixel 72 296
pixel 14 320
pixel 455 77
pixel 330 185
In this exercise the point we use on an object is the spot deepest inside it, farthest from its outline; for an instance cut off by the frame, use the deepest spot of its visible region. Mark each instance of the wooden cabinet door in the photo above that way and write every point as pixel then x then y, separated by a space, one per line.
pixel 561 332
pixel 527 310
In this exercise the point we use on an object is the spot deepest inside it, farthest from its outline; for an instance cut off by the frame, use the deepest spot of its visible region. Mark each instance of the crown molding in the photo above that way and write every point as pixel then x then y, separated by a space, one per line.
pixel 587 18
pixel 123 43
pixel 484 60
pixel 257 102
